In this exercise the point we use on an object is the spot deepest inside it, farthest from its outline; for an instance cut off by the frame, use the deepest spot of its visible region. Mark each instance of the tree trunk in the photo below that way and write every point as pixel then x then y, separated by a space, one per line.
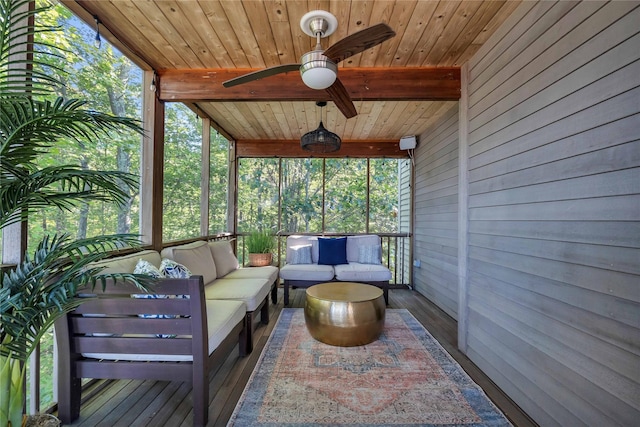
pixel 123 163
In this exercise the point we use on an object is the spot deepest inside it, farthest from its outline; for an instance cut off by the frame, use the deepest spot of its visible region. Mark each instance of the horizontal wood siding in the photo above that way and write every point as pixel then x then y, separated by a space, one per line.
pixel 554 212
pixel 436 207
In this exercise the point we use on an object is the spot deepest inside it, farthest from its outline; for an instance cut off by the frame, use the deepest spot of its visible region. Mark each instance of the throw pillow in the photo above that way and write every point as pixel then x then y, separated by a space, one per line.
pixel 332 251
pixel 301 254
pixel 145 267
pixel 369 254
pixel 174 270
pixel 156 316
pixel 168 268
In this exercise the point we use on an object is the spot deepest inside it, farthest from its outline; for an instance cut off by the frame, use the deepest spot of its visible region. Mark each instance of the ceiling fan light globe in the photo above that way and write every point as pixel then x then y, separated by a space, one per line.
pixel 317 71
pixel 318 78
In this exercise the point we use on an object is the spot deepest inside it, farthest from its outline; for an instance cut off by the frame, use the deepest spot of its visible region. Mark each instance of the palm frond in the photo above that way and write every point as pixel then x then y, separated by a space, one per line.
pixel 28 126
pixel 16 34
pixel 59 186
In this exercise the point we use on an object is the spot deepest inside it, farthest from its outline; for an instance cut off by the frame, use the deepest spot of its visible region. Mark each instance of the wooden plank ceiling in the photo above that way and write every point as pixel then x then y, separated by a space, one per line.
pixel 399 87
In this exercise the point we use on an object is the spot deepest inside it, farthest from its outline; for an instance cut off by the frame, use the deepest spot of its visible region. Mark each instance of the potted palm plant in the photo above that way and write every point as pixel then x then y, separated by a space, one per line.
pixel 260 244
pixel 42 287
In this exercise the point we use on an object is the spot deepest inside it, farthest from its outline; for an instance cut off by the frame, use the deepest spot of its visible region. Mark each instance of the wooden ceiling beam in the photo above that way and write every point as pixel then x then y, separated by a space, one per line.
pixel 363 84
pixel 289 148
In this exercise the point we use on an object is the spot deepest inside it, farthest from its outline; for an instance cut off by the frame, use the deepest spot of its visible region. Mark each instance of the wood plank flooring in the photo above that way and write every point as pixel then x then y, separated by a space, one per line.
pixel 168 404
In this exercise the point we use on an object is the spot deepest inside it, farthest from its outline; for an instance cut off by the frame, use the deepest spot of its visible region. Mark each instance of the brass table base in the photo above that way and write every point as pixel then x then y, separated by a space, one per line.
pixel 344 314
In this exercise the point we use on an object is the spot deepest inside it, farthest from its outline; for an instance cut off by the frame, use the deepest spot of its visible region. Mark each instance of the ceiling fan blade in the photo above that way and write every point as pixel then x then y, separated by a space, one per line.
pixel 261 74
pixel 359 42
pixel 341 98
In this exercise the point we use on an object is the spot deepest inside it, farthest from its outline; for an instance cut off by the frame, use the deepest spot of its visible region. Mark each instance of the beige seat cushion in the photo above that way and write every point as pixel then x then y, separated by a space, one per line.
pixel 313 272
pixel 250 291
pixel 196 257
pixel 269 272
pixel 222 317
pixel 356 272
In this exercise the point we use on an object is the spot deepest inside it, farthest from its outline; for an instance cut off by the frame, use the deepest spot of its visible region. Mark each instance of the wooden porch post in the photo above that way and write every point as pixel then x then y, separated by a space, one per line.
pixel 152 165
pixel 232 194
pixel 205 177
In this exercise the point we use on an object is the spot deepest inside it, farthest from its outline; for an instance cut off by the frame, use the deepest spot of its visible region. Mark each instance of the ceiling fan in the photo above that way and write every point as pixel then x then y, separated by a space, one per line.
pixel 318 67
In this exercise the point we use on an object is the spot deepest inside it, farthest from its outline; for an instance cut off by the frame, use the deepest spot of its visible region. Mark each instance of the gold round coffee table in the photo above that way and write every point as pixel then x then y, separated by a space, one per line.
pixel 344 314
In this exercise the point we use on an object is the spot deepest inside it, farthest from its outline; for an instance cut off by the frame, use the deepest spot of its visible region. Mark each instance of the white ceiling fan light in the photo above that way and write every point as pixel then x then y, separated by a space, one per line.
pixel 318 71
pixel 318 68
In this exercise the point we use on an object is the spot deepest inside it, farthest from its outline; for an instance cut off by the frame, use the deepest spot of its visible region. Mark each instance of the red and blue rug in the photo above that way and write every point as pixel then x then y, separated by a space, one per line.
pixel 403 379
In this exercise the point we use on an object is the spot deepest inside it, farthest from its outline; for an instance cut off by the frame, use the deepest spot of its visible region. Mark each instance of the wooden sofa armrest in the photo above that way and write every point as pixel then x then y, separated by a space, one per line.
pixel 112 322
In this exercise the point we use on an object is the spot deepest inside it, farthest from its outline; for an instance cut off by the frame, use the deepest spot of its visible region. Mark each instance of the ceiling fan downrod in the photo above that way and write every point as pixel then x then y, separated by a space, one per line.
pixel 317 71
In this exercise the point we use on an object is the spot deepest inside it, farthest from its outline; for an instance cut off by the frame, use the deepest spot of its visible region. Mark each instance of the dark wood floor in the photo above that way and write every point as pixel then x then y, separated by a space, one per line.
pixel 161 403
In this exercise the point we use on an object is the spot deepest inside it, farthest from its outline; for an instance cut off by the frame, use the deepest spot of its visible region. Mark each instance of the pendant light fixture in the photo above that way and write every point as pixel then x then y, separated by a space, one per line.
pixel 320 140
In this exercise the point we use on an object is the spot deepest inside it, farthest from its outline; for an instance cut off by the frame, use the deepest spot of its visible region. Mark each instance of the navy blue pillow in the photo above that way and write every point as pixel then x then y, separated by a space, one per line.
pixel 332 251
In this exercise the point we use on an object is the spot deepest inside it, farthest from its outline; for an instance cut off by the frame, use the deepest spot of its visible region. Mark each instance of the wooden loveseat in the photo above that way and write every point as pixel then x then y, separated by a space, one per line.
pixel 114 336
pixel 360 262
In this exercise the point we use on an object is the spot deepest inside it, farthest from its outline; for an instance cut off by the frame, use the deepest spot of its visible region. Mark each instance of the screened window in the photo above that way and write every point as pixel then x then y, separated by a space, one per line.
pixel 110 83
pixel 258 197
pixel 218 183
pixel 346 195
pixel 319 195
pixel 301 195
pixel 383 196
pixel 182 173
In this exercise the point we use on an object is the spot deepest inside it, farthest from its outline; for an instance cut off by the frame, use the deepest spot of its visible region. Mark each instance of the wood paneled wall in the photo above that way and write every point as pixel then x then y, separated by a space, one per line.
pixel 435 213
pixel 554 212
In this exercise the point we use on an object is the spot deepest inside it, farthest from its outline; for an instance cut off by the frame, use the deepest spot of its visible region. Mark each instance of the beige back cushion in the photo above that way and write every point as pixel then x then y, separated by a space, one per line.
pixel 354 243
pixel 294 241
pixel 127 263
pixel 196 257
pixel 223 256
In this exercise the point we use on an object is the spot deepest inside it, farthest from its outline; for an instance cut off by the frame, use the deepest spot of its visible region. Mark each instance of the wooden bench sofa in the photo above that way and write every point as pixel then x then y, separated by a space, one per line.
pixel 223 277
pixel 361 262
pixel 116 336
pixel 225 280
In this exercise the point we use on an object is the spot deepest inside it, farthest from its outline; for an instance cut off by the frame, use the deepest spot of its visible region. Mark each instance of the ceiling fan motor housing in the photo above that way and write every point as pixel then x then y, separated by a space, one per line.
pixel 317 71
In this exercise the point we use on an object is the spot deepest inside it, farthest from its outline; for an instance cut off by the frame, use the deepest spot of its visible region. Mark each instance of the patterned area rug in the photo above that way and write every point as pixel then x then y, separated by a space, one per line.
pixel 404 378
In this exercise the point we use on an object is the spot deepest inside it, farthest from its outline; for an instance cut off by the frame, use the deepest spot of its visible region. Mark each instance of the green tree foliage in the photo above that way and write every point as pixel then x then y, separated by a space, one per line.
pixel 383 195
pixel 346 195
pixel 218 184
pixel 53 145
pixel 182 172
pixel 258 196
pixel 343 184
pixel 109 82
pixel 301 195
